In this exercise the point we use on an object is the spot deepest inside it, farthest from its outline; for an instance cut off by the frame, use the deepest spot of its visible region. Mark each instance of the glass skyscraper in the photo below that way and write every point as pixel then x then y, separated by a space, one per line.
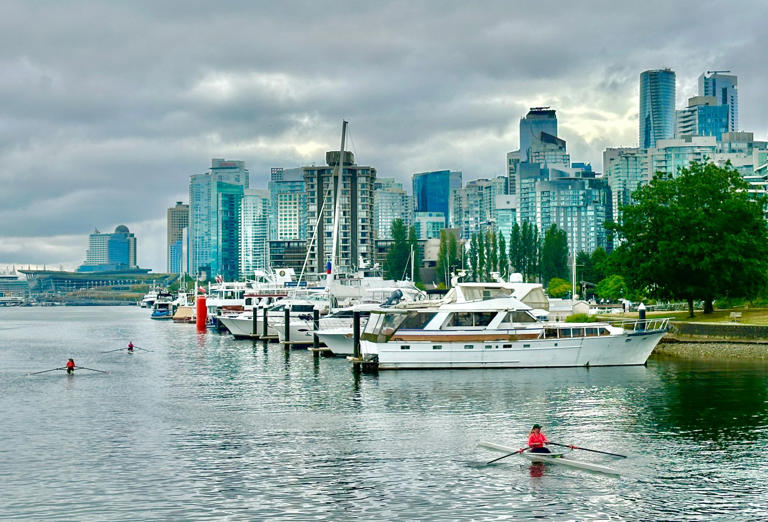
pixel 538 120
pixel 178 221
pixel 724 87
pixel 254 232
pixel 214 219
pixel 433 191
pixel 288 205
pixel 657 106
pixel 110 252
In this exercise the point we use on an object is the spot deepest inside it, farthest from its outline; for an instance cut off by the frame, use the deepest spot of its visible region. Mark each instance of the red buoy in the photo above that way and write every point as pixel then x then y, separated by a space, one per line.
pixel 202 311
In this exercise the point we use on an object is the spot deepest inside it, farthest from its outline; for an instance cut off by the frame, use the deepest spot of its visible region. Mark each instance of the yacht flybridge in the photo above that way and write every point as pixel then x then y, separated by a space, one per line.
pixel 499 332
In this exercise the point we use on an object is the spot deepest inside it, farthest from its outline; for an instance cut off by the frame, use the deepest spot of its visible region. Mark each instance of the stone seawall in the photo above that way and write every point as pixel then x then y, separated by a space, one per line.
pixel 725 350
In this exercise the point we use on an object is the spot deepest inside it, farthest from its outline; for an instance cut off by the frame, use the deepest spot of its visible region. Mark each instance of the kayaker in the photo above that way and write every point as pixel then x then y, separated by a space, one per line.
pixel 130 346
pixel 537 440
pixel 70 366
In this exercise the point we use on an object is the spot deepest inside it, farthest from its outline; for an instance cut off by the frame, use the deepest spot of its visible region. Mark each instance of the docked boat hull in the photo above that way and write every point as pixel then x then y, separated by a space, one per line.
pixel 338 340
pixel 616 350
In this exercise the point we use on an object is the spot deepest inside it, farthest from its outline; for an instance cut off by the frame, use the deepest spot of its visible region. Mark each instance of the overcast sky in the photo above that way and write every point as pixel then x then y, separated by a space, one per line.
pixel 106 109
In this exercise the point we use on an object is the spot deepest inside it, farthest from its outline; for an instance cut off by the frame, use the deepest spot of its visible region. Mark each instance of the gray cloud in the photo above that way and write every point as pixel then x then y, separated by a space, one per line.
pixel 106 108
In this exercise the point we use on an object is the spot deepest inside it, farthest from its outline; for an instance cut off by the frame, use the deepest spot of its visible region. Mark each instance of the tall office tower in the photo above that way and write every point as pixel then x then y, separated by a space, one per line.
pixel 110 252
pixel 538 120
pixel 356 224
pixel 513 163
pixel 215 198
pixel 433 191
pixel 177 222
pixel 288 205
pixel 703 117
pixel 254 232
pixel 724 87
pixel 657 106
pixel 625 170
pixel 474 205
pixel 390 202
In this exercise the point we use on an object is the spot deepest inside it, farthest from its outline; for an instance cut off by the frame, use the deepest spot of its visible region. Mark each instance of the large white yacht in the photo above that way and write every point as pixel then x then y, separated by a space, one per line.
pixel 495 331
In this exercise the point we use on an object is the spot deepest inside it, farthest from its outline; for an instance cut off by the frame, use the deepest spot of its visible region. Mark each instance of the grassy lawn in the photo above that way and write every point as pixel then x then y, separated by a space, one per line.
pixel 757 316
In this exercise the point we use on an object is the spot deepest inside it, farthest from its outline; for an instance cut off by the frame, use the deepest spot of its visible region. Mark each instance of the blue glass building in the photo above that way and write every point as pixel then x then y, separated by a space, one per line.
pixel 657 106
pixel 433 191
pixel 110 252
pixel 538 120
pixel 724 87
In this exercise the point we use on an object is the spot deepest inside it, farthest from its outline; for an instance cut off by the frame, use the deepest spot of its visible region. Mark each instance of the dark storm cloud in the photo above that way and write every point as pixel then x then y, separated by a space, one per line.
pixel 107 108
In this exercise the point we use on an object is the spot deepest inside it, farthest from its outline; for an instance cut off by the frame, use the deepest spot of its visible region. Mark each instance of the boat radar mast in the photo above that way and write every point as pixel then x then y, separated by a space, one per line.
pixel 337 205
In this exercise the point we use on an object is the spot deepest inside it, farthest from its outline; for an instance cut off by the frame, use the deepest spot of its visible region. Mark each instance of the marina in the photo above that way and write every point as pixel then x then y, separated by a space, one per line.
pixel 206 426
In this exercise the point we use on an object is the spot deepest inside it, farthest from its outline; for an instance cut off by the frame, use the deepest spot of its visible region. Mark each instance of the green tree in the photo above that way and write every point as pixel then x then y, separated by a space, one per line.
pixel 558 287
pixel 399 253
pixel 699 235
pixel 612 288
pixel 493 253
pixel 413 244
pixel 515 249
pixel 554 254
pixel 599 265
pixel 481 263
pixel 503 259
pixel 473 257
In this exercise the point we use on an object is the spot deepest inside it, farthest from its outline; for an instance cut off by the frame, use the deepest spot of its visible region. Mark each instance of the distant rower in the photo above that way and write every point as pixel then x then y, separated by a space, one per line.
pixel 537 439
pixel 70 366
pixel 130 346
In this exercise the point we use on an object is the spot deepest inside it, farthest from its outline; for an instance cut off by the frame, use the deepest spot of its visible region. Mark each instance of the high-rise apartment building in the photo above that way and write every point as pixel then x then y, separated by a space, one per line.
pixel 474 204
pixel 177 223
pixel 428 225
pixel 110 252
pixel 288 205
pixel 625 170
pixel 433 191
pixel 657 106
pixel 356 226
pixel 724 87
pixel 703 117
pixel 390 202
pixel 215 199
pixel 254 232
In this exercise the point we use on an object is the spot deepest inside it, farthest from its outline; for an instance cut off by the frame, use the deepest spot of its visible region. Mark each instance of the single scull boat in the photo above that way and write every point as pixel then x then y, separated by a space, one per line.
pixel 552 458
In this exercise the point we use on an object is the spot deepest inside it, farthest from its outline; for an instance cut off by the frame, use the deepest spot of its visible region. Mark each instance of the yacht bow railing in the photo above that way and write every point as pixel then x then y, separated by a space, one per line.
pixel 641 325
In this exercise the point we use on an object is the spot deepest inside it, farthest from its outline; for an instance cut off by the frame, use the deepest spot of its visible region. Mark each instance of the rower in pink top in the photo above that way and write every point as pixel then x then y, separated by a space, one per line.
pixel 537 440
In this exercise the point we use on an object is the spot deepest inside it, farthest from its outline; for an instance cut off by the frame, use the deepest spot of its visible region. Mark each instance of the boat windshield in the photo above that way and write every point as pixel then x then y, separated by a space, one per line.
pixel 381 329
pixel 477 293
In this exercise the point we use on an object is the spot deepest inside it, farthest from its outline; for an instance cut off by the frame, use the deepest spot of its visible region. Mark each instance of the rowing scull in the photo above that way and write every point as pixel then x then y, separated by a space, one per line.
pixel 552 458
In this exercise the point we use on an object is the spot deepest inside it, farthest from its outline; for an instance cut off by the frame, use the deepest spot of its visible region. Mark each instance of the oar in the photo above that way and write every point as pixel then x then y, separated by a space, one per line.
pixel 139 348
pixel 508 455
pixel 46 371
pixel 587 449
pixel 115 350
pixel 93 370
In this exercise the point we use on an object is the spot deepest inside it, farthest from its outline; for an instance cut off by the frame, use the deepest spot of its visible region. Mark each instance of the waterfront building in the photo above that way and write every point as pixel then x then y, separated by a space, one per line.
pixel 288 253
pixel 671 155
pixel 356 227
pixel 625 170
pixel 473 205
pixel 215 199
pixel 724 87
pixel 427 225
pixel 702 117
pixel 390 202
pixel 110 252
pixel 288 205
pixel 176 224
pixel 433 191
pixel 506 213
pixel 657 106
pixel 254 232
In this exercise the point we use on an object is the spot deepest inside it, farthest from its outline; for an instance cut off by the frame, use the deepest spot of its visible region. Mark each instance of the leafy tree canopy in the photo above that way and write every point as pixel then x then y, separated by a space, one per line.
pixel 558 287
pixel 612 288
pixel 699 235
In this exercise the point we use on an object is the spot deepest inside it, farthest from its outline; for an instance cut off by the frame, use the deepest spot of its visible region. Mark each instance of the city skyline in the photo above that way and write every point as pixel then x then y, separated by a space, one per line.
pixel 99 131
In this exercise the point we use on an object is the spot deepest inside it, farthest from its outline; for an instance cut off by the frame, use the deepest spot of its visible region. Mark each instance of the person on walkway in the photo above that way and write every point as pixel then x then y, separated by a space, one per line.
pixel 70 366
pixel 130 346
pixel 537 440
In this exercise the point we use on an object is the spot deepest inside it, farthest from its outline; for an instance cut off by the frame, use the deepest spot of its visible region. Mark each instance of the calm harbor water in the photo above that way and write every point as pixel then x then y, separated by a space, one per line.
pixel 208 427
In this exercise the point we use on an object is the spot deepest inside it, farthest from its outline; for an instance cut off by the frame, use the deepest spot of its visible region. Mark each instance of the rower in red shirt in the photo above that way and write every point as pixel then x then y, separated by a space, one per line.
pixel 537 440
pixel 130 346
pixel 70 366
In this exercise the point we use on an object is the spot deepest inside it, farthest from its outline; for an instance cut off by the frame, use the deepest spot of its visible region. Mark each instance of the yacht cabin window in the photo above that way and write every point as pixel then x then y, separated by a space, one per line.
pixel 470 319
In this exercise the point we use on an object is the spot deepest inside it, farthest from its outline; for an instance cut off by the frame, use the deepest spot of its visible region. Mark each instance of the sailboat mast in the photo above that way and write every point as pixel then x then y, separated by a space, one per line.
pixel 337 203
